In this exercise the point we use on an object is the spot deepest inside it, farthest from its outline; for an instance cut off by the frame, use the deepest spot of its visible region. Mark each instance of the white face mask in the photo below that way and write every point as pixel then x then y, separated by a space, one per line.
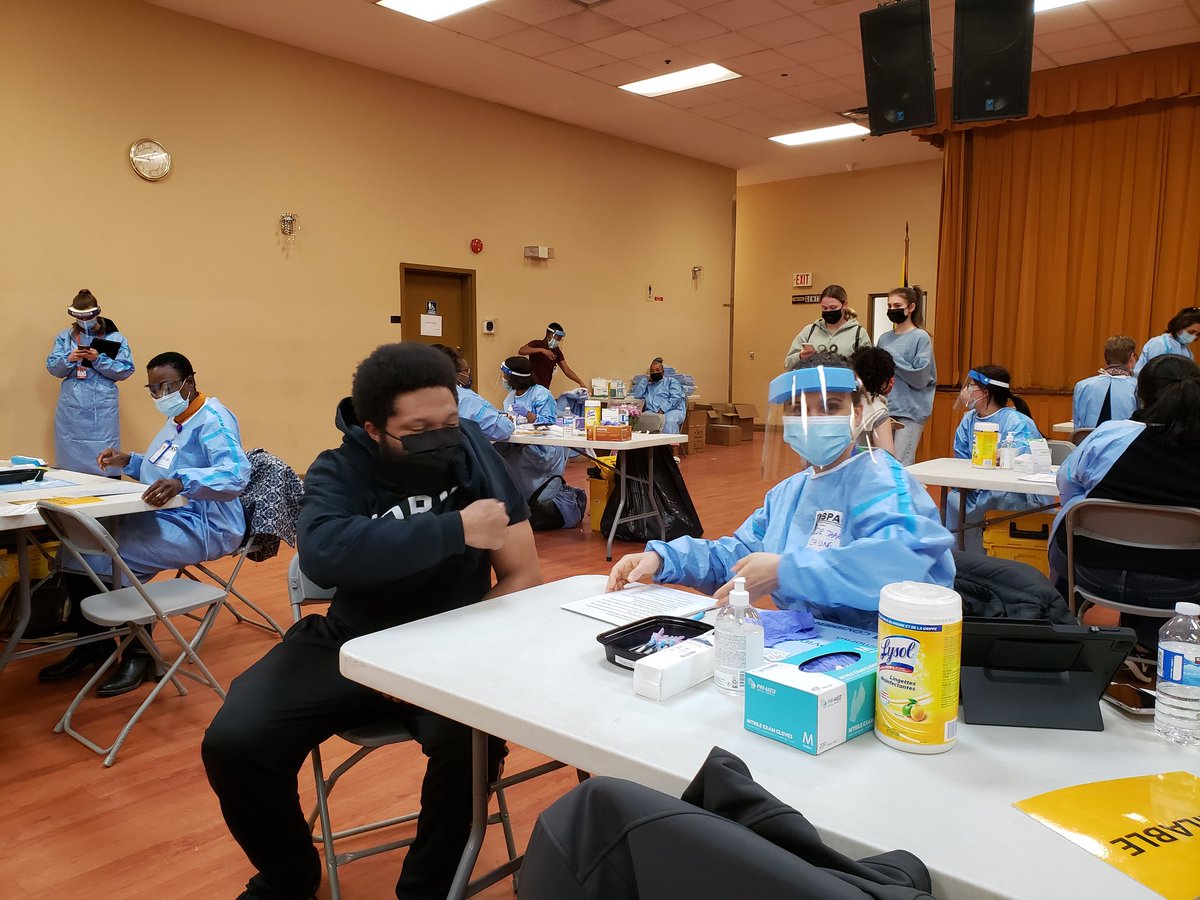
pixel 171 405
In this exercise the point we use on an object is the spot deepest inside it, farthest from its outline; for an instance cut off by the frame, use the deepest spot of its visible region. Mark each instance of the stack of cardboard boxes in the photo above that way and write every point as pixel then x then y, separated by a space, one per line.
pixel 724 424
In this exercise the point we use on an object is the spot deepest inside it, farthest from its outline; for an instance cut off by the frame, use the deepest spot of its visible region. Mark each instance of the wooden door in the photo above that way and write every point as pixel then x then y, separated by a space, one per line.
pixel 437 306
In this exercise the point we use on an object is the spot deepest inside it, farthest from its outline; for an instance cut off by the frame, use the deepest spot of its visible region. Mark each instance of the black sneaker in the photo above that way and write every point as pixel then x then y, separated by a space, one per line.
pixel 257 888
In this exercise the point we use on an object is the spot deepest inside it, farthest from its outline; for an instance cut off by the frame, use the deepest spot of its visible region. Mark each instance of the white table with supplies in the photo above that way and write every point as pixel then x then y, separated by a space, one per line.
pixel 1063 428
pixel 553 437
pixel 527 671
pixel 951 472
pixel 116 497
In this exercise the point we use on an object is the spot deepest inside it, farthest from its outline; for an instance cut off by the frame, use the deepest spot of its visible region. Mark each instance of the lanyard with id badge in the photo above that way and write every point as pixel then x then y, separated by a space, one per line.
pixel 165 455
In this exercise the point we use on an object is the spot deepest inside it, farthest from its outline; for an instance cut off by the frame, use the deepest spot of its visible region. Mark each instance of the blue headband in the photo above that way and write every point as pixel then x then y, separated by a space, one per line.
pixel 557 332
pixel 985 381
pixel 808 381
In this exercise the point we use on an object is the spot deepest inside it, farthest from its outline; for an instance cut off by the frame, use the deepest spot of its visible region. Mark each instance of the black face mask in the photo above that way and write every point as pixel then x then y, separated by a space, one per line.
pixel 831 316
pixel 656 376
pixel 429 458
pixel 897 316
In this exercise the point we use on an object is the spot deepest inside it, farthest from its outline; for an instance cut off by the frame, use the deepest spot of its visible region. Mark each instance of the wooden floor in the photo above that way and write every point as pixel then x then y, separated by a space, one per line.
pixel 150 825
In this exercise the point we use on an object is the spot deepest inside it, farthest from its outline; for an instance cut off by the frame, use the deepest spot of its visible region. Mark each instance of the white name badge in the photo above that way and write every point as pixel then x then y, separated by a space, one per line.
pixel 827 530
pixel 164 455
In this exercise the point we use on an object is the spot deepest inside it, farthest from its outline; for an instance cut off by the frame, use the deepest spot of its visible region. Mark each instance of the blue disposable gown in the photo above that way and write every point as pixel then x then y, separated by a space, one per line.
pixel 1089 398
pixel 1086 467
pixel 532 465
pixel 664 397
pixel 87 419
pixel 494 424
pixel 1160 346
pixel 843 535
pixel 214 470
pixel 980 502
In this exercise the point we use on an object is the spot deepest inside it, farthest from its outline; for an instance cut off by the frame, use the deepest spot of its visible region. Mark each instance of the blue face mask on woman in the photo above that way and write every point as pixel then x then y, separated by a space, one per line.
pixel 171 405
pixel 1185 337
pixel 825 440
pixel 88 325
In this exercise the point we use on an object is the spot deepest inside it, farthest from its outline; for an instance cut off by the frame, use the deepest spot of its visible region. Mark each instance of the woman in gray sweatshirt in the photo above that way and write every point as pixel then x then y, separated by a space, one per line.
pixel 911 400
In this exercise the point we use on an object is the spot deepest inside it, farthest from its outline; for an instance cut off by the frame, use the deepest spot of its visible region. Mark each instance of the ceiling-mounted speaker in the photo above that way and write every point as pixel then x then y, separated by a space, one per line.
pixel 993 57
pixel 898 62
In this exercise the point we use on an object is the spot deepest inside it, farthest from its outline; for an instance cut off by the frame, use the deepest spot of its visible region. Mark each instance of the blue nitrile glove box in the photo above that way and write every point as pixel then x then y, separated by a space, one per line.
pixel 813 711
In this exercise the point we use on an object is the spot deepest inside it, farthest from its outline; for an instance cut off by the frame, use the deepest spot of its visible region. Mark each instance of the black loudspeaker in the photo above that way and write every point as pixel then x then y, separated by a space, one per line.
pixel 898 62
pixel 993 55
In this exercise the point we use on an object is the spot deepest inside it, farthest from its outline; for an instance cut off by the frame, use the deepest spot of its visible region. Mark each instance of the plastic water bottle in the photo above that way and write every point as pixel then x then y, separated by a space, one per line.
pixel 738 640
pixel 1177 708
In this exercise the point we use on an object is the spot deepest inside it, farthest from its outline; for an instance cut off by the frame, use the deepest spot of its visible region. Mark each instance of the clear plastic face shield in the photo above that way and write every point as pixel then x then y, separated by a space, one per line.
pixel 555 339
pixel 508 381
pixel 813 419
pixel 972 392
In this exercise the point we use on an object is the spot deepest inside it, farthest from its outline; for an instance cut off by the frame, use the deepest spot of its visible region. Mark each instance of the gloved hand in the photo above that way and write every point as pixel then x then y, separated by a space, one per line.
pixel 519 409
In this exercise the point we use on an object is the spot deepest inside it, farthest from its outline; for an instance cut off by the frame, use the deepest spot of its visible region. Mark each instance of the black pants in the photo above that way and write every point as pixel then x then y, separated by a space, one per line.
pixel 289 702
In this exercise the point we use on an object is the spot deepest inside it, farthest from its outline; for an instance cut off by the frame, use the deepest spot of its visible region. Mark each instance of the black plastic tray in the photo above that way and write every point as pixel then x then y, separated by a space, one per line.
pixel 25 473
pixel 621 642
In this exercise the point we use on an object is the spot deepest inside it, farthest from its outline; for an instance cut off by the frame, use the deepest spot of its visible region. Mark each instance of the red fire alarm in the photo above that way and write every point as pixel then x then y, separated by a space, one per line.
pixel 476 245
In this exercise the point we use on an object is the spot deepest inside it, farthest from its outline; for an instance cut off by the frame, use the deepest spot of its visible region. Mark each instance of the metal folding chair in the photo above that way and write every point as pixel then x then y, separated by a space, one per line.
pixel 649 423
pixel 369 738
pixel 1059 451
pixel 128 610
pixel 248 546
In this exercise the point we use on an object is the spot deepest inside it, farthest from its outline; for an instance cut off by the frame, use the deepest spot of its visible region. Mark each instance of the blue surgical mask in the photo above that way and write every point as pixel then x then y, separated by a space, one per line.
pixel 552 343
pixel 825 440
pixel 1185 337
pixel 88 325
pixel 171 405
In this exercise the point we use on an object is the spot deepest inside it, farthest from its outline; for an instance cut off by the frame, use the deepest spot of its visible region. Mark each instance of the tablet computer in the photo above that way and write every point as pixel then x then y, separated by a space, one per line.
pixel 108 348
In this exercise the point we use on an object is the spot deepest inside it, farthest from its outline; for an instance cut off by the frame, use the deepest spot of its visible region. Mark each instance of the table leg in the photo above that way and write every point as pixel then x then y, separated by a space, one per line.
pixel 612 532
pixel 662 523
pixel 479 815
pixel 945 503
pixel 24 603
pixel 962 519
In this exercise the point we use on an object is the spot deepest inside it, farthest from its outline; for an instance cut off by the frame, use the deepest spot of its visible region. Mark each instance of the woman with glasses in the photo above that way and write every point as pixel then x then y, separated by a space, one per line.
pixel 197 453
pixel 89 357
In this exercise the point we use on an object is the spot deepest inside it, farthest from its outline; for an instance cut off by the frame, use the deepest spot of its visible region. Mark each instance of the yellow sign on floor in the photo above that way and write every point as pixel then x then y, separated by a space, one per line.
pixel 1148 827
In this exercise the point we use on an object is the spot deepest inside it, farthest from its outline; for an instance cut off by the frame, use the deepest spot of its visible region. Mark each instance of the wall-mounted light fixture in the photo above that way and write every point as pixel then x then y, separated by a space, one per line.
pixel 289 224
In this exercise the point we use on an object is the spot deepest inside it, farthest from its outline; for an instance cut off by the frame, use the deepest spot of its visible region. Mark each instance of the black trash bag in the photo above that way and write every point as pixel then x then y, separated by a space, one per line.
pixel 678 512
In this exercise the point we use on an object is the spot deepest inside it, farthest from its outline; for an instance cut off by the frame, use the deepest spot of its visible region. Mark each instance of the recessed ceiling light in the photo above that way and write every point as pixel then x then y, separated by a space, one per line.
pixel 683 80
pixel 1043 5
pixel 429 10
pixel 820 135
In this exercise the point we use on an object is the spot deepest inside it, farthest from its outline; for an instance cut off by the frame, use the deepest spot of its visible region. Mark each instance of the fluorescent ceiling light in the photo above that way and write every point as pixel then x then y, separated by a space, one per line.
pixel 1043 5
pixel 819 135
pixel 429 10
pixel 683 80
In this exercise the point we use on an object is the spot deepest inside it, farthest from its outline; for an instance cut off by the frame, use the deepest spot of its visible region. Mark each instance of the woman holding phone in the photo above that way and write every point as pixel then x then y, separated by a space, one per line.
pixel 836 331
pixel 89 357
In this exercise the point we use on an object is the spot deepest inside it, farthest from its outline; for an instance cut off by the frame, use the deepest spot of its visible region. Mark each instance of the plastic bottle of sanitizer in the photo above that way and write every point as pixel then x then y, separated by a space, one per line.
pixel 738 640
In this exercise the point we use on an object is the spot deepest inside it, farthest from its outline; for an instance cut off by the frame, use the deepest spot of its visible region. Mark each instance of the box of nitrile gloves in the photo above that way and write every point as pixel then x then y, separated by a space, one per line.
pixel 814 700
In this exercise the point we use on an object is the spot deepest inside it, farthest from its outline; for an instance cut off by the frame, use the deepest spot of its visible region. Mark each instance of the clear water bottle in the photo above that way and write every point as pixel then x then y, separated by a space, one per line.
pixel 1177 708
pixel 738 640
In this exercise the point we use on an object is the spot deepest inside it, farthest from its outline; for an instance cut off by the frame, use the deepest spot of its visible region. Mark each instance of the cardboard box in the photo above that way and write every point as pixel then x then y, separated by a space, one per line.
pixel 697 414
pixel 723 435
pixel 739 414
pixel 673 670
pixel 813 711
pixel 696 438
pixel 609 432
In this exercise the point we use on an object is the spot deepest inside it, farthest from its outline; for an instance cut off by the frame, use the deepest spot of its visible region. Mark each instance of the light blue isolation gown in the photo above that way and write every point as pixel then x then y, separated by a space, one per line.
pixel 843 533
pixel 1086 467
pixel 205 453
pixel 532 465
pixel 494 424
pixel 979 502
pixel 1089 398
pixel 87 419
pixel 1161 345
pixel 664 397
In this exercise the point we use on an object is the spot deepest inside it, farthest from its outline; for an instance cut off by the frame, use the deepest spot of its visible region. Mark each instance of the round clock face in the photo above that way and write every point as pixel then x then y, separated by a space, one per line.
pixel 149 159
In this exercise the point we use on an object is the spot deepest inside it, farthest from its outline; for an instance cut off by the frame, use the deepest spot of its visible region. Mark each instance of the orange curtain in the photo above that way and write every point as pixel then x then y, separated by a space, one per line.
pixel 1072 225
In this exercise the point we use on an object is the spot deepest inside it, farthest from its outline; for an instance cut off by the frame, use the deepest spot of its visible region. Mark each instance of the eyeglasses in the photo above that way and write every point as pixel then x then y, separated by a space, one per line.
pixel 164 387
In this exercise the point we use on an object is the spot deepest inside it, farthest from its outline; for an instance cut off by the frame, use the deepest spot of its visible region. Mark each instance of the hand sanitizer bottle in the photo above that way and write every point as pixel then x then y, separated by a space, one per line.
pixel 738 640
pixel 1008 451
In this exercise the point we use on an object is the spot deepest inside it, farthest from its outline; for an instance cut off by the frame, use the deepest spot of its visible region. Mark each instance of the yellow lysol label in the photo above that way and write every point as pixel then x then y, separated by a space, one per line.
pixel 918 681
pixel 985 449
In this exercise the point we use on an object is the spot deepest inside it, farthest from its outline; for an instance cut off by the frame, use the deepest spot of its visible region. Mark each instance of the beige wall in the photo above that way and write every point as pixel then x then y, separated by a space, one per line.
pixel 380 170
pixel 846 229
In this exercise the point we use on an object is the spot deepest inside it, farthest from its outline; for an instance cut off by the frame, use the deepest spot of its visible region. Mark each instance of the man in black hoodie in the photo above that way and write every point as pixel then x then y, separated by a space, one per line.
pixel 408 518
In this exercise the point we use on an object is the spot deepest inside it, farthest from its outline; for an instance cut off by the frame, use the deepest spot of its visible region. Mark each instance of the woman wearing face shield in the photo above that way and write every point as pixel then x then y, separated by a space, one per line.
pixel 826 539
pixel 836 331
pixel 663 395
pixel 529 403
pixel 473 408
pixel 87 419
pixel 986 395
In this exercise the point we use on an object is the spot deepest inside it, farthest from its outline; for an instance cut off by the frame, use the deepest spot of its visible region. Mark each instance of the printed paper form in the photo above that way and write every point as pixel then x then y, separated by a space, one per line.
pixel 632 604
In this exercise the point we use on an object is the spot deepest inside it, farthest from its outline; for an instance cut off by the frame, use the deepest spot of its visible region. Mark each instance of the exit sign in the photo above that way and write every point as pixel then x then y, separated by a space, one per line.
pixel 802 280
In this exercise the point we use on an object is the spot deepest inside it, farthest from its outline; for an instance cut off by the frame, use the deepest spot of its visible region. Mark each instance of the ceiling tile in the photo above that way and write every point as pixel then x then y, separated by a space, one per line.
pixel 841 102
pixel 816 90
pixel 682 29
pixel 534 12
pixel 628 43
pixel 577 58
pixel 617 73
pixel 1117 9
pixel 1166 39
pixel 817 49
pixel 853 36
pixel 737 87
pixel 1073 39
pixel 636 13
pixel 1041 62
pixel 769 100
pixel 792 74
pixel 841 65
pixel 770 129
pixel 481 23
pixel 745 13
pixel 719 109
pixel 758 61
pixel 842 16
pixel 698 4
pixel 670 60
pixel 1090 53
pixel 783 31
pixel 1053 20
pixel 584 26
pixel 850 83
pixel 943 80
pixel 749 119
pixel 722 46
pixel 820 118
pixel 1153 22
pixel 532 42
pixel 941 21
pixel 796 110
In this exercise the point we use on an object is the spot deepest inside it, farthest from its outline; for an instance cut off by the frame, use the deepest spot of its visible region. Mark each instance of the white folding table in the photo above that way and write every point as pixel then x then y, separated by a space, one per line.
pixel 638 441
pixel 116 498
pixel 951 472
pixel 523 669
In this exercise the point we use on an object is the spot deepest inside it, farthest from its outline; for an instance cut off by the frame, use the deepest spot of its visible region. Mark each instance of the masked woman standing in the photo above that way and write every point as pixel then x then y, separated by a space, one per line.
pixel 89 357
